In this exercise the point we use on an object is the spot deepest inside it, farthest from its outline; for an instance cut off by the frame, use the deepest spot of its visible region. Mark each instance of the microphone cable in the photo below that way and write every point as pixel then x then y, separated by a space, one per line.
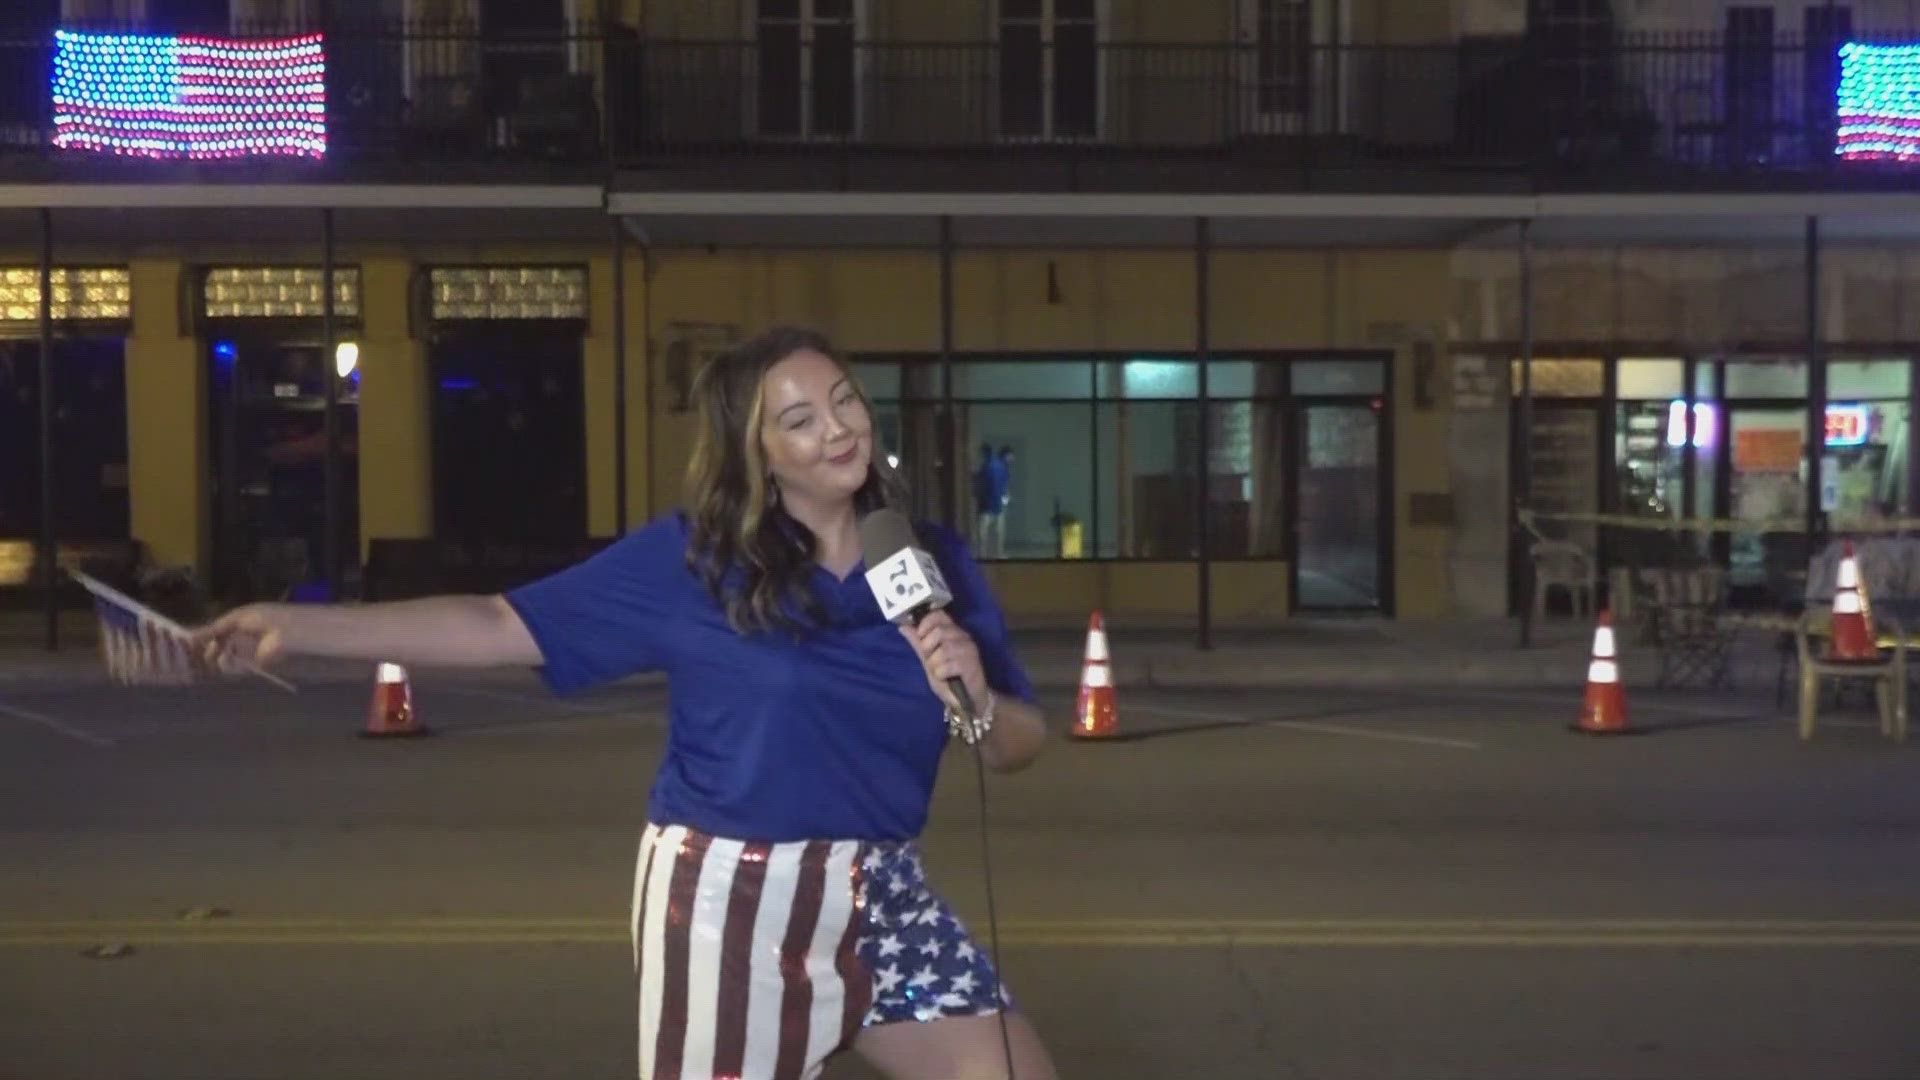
pixel 993 916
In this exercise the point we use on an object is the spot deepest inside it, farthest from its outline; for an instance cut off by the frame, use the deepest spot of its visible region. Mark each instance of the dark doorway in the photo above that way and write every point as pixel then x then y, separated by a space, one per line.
pixel 267 402
pixel 89 439
pixel 1341 540
pixel 509 445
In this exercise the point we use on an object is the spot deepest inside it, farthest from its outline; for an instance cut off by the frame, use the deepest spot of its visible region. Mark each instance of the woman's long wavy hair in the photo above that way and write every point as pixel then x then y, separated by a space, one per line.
pixel 754 557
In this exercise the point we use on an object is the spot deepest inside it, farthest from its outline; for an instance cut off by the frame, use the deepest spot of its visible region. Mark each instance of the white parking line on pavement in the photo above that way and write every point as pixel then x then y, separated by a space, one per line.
pixel 51 724
pixel 1308 726
pixel 1364 733
pixel 1571 702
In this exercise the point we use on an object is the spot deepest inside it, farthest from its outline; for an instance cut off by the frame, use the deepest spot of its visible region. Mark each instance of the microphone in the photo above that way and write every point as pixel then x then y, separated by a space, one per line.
pixel 905 580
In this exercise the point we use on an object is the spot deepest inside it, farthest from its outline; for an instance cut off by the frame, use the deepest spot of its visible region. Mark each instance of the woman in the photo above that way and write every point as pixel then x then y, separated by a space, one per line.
pixel 780 911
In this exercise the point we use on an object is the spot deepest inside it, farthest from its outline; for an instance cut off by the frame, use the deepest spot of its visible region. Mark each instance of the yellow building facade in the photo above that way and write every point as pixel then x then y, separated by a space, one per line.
pixel 1613 328
pixel 875 304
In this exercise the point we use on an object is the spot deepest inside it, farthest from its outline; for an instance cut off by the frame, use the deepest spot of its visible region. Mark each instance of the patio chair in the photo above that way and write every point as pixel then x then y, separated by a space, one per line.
pixel 1888 676
pixel 1565 565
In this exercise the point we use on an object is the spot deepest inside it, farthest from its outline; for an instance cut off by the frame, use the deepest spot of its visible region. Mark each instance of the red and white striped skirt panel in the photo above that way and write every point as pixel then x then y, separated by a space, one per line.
pixel 745 955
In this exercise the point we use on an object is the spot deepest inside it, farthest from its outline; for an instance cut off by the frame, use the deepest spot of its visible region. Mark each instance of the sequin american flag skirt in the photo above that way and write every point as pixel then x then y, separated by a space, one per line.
pixel 761 960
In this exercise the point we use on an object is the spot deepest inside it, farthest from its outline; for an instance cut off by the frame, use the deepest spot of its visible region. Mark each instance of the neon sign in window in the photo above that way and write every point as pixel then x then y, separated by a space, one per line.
pixel 1703 424
pixel 1847 425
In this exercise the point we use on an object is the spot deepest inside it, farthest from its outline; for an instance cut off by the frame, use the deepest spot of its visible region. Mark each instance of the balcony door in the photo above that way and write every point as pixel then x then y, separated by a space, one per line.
pixel 1050 68
pixel 27 26
pixel 189 17
pixel 807 68
pixel 1288 65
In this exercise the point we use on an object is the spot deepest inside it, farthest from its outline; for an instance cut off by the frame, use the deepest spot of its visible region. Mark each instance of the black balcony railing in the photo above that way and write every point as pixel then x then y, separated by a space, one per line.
pixel 598 97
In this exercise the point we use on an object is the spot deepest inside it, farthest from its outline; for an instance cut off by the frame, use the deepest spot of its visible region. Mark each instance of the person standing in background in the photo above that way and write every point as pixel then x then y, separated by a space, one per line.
pixel 1006 492
pixel 990 502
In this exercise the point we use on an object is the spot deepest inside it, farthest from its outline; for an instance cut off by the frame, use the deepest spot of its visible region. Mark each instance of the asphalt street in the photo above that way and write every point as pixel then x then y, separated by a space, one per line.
pixel 1375 883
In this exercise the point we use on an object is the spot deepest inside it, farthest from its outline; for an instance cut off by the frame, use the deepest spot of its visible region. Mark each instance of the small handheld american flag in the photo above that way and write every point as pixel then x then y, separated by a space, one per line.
pixel 145 648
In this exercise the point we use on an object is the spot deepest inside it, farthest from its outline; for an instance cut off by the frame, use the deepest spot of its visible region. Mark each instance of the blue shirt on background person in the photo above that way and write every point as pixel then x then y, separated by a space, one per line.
pixel 990 484
pixel 830 734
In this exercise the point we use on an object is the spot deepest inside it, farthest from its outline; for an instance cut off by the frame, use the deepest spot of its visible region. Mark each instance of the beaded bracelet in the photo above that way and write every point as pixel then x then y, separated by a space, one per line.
pixel 971 730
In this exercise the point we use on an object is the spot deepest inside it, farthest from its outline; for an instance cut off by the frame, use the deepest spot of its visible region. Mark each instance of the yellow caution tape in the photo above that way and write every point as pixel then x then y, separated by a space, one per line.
pixel 1728 525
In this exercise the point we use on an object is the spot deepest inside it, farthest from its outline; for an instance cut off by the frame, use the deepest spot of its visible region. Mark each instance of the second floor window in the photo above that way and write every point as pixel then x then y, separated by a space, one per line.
pixel 1049 69
pixel 1280 33
pixel 806 57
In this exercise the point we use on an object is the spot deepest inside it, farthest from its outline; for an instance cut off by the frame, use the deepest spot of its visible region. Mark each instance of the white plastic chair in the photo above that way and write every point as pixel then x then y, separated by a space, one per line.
pixel 1566 565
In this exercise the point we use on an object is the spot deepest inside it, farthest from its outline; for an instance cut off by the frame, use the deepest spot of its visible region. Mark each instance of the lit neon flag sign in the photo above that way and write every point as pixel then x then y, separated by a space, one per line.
pixel 1879 103
pixel 190 97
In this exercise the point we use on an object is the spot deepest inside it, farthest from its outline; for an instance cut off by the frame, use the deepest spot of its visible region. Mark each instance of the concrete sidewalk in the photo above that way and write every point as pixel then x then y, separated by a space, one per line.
pixel 1298 653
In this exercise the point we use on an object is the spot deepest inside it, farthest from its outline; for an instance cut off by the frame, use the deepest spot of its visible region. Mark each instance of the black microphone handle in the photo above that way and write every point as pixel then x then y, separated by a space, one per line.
pixel 959 688
pixel 966 700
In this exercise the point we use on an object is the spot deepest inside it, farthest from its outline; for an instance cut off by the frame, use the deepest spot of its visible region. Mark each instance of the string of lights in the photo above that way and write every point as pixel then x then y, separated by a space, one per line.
pixel 190 97
pixel 1879 107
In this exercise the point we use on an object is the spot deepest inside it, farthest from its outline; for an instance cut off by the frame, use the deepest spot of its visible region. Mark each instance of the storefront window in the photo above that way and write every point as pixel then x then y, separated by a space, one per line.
pixel 1338 554
pixel 507 398
pixel 1145 483
pixel 1647 459
pixel 880 381
pixel 1338 378
pixel 1870 379
pixel 1783 377
pixel 1030 478
pixel 267 462
pixel 1706 381
pixel 1866 459
pixel 1564 446
pixel 1148 379
pixel 1249 463
pixel 1062 458
pixel 1564 378
pixel 1769 482
pixel 1240 379
pixel 987 380
pixel 1649 454
pixel 89 438
pixel 1650 380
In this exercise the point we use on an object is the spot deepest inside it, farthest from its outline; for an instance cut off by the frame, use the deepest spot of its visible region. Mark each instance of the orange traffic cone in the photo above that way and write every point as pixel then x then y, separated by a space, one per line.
pixel 392 715
pixel 1605 709
pixel 1095 715
pixel 1853 638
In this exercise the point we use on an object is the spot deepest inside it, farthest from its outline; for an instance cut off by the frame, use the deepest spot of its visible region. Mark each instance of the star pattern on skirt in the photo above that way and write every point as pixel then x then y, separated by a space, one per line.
pixel 925 965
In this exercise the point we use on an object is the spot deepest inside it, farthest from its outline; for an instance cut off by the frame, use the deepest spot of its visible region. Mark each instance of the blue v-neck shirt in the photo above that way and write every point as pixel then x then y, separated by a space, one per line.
pixel 831 735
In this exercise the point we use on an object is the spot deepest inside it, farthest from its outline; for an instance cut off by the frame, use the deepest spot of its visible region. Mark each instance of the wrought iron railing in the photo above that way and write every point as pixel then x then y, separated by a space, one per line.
pixel 599 96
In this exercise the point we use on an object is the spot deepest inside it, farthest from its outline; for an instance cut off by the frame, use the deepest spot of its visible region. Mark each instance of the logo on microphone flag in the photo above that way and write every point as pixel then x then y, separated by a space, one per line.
pixel 905 580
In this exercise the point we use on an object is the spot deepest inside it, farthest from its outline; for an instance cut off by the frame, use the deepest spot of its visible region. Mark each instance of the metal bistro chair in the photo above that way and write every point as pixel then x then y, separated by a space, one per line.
pixel 1687 625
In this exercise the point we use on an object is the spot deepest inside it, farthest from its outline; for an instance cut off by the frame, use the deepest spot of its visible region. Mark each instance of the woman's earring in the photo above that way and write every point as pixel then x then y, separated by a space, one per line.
pixel 773 492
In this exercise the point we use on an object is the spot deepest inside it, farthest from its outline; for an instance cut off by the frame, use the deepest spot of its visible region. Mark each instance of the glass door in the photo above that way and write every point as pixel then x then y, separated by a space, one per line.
pixel 1766 483
pixel 1564 458
pixel 267 405
pixel 1338 544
